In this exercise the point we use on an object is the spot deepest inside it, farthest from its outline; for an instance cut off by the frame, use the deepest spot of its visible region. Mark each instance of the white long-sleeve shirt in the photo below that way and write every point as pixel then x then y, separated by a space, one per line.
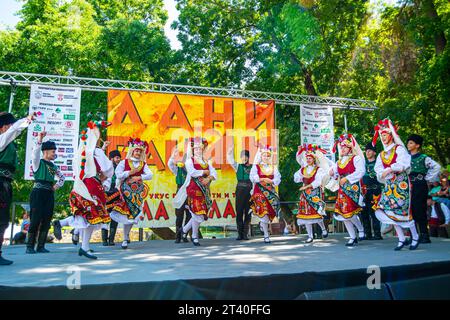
pixel 298 176
pixel 172 164
pixel 254 176
pixel 105 164
pixel 121 174
pixel 107 183
pixel 13 132
pixel 232 162
pixel 360 169
pixel 194 173
pixel 402 163
pixel 36 161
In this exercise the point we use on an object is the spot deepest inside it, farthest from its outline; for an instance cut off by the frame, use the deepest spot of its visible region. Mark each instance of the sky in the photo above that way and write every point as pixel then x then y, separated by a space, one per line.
pixel 9 8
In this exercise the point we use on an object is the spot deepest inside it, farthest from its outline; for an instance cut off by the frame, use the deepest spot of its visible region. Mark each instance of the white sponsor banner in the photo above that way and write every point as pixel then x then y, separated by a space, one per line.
pixel 57 111
pixel 316 123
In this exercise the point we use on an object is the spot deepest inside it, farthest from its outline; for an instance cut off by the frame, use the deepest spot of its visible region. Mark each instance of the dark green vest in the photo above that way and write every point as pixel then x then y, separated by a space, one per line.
pixel 418 164
pixel 181 176
pixel 243 172
pixel 8 161
pixel 46 172
pixel 370 177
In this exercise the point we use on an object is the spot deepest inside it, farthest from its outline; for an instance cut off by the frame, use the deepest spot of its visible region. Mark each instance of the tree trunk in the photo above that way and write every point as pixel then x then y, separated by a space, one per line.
pixel 429 10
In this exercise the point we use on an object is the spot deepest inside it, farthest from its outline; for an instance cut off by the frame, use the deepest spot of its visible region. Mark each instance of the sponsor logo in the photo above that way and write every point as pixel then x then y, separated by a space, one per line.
pixel 60 97
pixel 64 168
pixel 54 122
pixel 69 162
pixel 69 117
pixel 69 124
pixel 69 168
pixel 69 150
pixel 38 94
pixel 57 110
pixel 60 149
pixel 37 128
pixel 35 134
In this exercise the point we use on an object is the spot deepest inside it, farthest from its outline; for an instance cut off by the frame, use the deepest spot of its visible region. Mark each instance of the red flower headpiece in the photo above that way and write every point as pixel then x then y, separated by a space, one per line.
pixel 383 126
pixel 138 143
pixel 345 139
pixel 198 141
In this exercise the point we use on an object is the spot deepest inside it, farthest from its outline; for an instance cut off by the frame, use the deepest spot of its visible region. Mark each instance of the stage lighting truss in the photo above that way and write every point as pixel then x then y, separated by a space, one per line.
pixel 103 85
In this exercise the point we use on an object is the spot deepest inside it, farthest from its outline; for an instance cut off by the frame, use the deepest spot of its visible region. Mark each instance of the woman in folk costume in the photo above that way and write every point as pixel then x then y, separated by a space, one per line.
pixel 392 168
pixel 349 169
pixel 313 175
pixel 88 199
pixel 265 177
pixel 196 188
pixel 131 174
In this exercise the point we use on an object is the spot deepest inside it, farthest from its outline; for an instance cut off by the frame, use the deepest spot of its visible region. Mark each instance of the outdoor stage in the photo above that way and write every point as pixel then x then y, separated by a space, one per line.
pixel 229 269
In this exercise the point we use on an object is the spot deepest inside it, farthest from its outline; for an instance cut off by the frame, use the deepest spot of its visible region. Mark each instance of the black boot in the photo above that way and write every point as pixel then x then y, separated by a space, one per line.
pixel 245 232
pixel 42 238
pixel 3 261
pixel 31 241
pixel 178 235
pixel 105 237
pixel 112 235
pixel 240 232
pixel 57 230
pixel 424 238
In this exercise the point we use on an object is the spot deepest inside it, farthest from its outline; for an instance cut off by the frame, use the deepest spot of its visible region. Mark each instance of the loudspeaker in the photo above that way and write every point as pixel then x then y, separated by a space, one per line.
pixel 436 287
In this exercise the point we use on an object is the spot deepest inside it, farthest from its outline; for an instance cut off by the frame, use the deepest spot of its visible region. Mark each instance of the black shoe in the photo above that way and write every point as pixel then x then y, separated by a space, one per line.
pixel 400 245
pixel 239 237
pixel 124 244
pixel 424 238
pixel 105 237
pixel 352 242
pixel 42 250
pixel 414 247
pixel 57 229
pixel 377 237
pixel 177 240
pixel 325 234
pixel 309 240
pixel 178 235
pixel 4 262
pixel 30 250
pixel 362 238
pixel 245 233
pixel 42 238
pixel 195 242
pixel 81 252
pixel 112 235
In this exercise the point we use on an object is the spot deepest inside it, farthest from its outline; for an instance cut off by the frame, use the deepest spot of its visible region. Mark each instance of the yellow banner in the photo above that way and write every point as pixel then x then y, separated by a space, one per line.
pixel 166 120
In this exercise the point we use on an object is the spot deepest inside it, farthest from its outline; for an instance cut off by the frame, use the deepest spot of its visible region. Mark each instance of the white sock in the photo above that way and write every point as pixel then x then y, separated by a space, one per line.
pixel 65 222
pixel 400 234
pixel 265 227
pixel 309 229
pixel 322 226
pixel 126 231
pixel 414 234
pixel 87 232
pixel 350 229
pixel 76 231
pixel 195 226
pixel 187 226
pixel 355 220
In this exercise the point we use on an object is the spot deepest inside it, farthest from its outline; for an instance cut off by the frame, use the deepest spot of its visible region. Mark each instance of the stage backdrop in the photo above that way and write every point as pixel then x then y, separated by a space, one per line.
pixel 166 120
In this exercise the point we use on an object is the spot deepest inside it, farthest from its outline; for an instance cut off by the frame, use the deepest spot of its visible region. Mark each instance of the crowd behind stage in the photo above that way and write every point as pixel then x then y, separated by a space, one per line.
pixel 399 187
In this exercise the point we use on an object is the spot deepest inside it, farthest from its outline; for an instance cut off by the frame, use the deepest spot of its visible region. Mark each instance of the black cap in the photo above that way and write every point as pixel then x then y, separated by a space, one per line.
pixel 245 153
pixel 48 145
pixel 6 118
pixel 416 138
pixel 114 153
pixel 369 146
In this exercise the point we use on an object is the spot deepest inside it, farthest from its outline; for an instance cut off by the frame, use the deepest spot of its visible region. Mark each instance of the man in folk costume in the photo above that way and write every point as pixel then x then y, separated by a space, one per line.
pixel 42 197
pixel 196 188
pixel 424 170
pixel 371 189
pixel 111 195
pixel 88 199
pixel 392 168
pixel 131 174
pixel 10 129
pixel 265 202
pixel 243 190
pixel 178 168
pixel 350 168
pixel 313 175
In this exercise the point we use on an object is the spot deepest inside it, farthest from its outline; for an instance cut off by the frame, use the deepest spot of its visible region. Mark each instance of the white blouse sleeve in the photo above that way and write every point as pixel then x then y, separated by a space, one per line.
pixel 403 161
pixel 360 170
pixel 147 174
pixel 232 162
pixel 172 166
pixel 212 171
pixel 276 177
pixel 13 132
pixel 36 156
pixel 379 169
pixel 191 170
pixel 254 177
pixel 120 171
pixel 298 177
pixel 333 166
pixel 105 164
pixel 318 178
pixel 434 169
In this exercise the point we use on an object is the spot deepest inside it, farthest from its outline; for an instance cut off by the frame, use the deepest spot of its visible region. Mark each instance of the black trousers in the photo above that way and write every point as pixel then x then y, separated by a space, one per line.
pixel 369 220
pixel 5 205
pixel 181 213
pixel 42 204
pixel 243 217
pixel 419 205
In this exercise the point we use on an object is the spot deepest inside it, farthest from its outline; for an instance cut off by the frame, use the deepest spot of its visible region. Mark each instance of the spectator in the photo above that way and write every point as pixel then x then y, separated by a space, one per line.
pixel 438 218
pixel 440 192
pixel 19 237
